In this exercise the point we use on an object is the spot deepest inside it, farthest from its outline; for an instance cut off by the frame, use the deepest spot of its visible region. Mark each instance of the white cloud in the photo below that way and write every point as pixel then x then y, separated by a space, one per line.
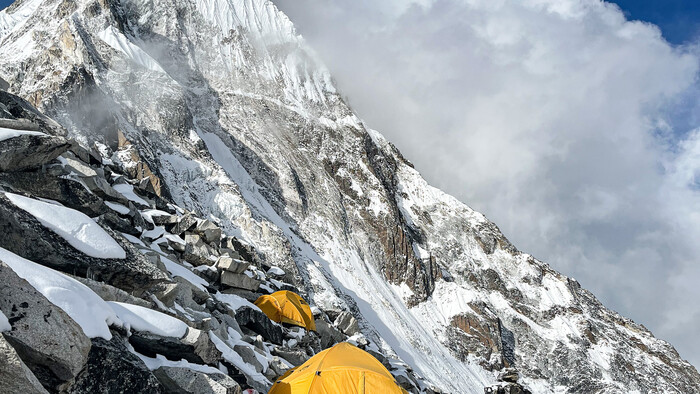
pixel 553 117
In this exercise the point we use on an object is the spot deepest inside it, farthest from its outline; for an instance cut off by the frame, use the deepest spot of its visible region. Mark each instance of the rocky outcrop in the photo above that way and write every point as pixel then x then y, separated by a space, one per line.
pixel 183 381
pixel 15 377
pixel 27 152
pixel 111 369
pixel 54 359
pixel 27 237
pixel 255 320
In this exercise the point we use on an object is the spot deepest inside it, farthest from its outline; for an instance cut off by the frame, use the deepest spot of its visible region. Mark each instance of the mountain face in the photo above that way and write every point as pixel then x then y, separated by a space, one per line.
pixel 218 107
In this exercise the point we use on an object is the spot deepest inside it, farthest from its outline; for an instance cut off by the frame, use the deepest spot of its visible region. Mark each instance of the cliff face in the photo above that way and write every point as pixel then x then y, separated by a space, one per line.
pixel 220 107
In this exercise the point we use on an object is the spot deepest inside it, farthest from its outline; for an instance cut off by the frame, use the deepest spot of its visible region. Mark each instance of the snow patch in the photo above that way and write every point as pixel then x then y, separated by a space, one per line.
pixel 120 43
pixel 4 323
pixel 76 228
pixel 144 319
pixel 85 307
pixel 6 134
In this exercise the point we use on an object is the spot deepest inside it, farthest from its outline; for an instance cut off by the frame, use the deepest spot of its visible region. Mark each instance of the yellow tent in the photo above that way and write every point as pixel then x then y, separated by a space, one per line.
pixel 342 369
pixel 287 307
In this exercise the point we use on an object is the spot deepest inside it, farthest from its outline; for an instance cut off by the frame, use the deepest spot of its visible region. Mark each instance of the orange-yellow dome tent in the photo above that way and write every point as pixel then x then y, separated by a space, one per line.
pixel 342 369
pixel 287 307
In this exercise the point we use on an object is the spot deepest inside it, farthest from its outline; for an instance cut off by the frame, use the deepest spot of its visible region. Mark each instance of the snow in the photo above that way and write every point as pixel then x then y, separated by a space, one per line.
pixel 161 361
pixel 176 269
pixel 10 22
pixel 119 208
pixel 131 51
pixel 92 313
pixel 144 319
pixel 76 228
pixel 148 214
pixel 234 301
pixel 4 323
pixel 6 134
pixel 134 240
pixel 275 271
pixel 234 358
pixel 127 191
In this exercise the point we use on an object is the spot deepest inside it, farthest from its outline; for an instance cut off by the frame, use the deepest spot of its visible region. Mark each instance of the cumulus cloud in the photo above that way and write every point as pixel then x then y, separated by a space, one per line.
pixel 563 122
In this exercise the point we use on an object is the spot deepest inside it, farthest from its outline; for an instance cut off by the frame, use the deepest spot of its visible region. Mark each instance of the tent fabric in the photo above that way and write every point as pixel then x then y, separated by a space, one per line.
pixel 287 307
pixel 342 369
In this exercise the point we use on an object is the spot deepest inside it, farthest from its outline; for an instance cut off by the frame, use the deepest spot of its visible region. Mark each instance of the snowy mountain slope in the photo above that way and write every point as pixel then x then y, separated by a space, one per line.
pixel 232 112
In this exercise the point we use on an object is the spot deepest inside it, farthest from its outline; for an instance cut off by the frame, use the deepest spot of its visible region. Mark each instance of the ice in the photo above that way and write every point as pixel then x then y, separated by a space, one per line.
pixel 92 313
pixel 131 51
pixel 4 323
pixel 76 228
pixel 6 134
pixel 176 269
pixel 127 191
pixel 144 319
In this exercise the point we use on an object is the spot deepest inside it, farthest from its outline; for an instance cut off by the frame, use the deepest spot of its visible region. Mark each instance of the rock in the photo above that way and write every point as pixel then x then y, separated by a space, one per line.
pixel 22 115
pixel 209 231
pixel 247 294
pixel 509 375
pixel 196 251
pixel 14 374
pixel 171 348
pixel 54 359
pixel 66 191
pixel 28 152
pixel 165 220
pixel 113 369
pixel 202 345
pixel 295 357
pixel 248 355
pixel 114 221
pixel 24 235
pixel 278 367
pixel 186 223
pixel 183 380
pixel 111 293
pixel 4 85
pixel 102 188
pixel 258 322
pixel 195 346
pixel 240 281
pixel 80 168
pixel 347 323
pixel 232 265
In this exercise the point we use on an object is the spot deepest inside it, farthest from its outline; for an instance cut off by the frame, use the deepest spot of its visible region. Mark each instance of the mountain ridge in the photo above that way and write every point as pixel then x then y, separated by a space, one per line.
pixel 238 120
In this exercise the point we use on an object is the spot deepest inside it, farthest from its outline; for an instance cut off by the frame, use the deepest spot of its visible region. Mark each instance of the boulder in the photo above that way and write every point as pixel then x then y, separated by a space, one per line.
pixel 258 322
pixel 77 166
pixel 240 281
pixel 186 223
pixel 113 369
pixel 24 235
pixel 347 323
pixel 196 251
pixel 229 264
pixel 111 293
pixel 66 191
pixel 28 152
pixel 54 359
pixel 248 355
pixel 329 335
pixel 21 112
pixel 210 232
pixel 195 346
pixel 179 380
pixel 102 188
pixel 509 375
pixel 295 357
pixel 14 374
pixel 202 346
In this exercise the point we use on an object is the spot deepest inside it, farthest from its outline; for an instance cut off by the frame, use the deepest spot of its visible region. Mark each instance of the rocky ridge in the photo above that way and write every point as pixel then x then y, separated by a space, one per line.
pixel 219 107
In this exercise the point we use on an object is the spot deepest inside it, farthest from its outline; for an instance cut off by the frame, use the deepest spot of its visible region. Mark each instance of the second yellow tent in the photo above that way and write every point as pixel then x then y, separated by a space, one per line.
pixel 342 369
pixel 287 307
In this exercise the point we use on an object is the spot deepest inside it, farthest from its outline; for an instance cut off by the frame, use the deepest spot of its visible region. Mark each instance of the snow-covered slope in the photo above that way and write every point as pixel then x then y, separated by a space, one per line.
pixel 229 110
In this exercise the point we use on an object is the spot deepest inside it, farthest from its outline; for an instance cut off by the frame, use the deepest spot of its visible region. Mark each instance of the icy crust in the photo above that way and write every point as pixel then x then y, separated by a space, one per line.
pixel 144 319
pixel 6 134
pixel 76 228
pixel 80 303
